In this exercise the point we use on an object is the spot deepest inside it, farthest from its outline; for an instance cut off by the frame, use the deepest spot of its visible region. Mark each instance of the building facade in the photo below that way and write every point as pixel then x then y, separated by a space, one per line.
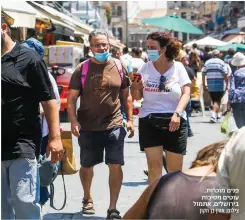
pixel 137 31
pixel 199 13
pixel 229 14
pixel 118 25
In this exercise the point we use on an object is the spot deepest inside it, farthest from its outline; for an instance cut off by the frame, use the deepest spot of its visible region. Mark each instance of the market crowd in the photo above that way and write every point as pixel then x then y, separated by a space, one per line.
pixel 161 79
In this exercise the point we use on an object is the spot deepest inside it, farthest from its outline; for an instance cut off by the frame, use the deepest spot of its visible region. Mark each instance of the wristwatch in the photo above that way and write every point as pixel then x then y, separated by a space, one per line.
pixel 179 113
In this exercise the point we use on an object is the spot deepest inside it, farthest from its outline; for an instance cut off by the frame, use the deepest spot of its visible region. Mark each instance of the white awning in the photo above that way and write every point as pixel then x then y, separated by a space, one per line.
pixel 209 41
pixel 189 44
pixel 22 13
pixel 69 20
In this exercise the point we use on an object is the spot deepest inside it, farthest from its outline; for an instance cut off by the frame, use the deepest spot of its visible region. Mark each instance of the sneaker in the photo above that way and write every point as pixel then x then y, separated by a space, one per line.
pixel 213 120
pixel 218 119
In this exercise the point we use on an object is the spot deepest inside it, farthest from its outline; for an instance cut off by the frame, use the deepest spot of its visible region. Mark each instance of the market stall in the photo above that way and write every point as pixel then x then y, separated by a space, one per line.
pixel 235 46
pixel 24 17
pixel 209 41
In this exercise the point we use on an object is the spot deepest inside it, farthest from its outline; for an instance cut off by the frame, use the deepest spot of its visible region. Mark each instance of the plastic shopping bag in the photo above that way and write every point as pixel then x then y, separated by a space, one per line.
pixel 224 102
pixel 224 124
pixel 231 126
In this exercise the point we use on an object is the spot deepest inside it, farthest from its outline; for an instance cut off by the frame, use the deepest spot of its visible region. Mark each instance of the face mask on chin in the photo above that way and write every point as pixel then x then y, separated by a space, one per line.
pixel 153 55
pixel 102 57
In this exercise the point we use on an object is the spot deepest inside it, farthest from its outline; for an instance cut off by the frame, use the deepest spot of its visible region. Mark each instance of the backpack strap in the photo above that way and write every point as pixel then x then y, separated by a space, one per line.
pixel 85 65
pixel 84 72
pixel 119 67
pixel 52 192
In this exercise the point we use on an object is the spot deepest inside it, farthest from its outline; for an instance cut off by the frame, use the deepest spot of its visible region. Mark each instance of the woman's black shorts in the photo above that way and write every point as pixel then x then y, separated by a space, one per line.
pixel 150 136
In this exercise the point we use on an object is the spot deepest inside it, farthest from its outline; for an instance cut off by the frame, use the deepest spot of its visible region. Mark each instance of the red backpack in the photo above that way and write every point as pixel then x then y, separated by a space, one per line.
pixel 85 66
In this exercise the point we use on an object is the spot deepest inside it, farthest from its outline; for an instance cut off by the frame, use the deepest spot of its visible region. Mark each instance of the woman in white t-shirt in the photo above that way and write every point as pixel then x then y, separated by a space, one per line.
pixel 162 119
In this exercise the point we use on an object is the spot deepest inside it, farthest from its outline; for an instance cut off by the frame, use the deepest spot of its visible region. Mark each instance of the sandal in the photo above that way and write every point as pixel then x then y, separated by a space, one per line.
pixel 113 214
pixel 88 207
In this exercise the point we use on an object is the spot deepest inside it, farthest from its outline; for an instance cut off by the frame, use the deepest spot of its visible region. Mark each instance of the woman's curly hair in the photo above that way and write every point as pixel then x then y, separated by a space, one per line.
pixel 164 39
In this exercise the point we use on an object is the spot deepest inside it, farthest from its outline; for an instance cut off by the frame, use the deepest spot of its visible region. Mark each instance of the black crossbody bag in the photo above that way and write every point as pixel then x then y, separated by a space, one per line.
pixel 160 121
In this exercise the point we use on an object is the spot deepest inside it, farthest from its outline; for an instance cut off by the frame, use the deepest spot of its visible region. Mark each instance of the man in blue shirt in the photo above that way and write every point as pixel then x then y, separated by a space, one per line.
pixel 214 75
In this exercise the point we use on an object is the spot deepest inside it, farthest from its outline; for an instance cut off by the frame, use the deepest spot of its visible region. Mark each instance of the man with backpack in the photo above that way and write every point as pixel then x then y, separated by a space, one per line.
pixel 100 82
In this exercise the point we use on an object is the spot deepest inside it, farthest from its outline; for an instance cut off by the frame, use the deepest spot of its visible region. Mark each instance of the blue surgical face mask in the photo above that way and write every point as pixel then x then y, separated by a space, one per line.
pixel 101 57
pixel 153 55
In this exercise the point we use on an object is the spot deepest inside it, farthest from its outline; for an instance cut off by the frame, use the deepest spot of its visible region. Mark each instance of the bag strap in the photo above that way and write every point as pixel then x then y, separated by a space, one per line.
pixel 84 72
pixel 52 191
pixel 85 65
pixel 119 67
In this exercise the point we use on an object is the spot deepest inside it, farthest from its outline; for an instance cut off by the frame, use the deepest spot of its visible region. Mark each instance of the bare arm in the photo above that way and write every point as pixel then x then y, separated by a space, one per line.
pixel 204 81
pixel 128 107
pixel 194 80
pixel 227 81
pixel 137 90
pixel 72 100
pixel 175 120
pixel 185 98
pixel 54 144
pixel 127 103
pixel 139 209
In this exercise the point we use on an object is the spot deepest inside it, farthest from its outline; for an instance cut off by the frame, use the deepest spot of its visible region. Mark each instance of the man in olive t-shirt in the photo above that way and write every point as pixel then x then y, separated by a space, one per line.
pixel 99 125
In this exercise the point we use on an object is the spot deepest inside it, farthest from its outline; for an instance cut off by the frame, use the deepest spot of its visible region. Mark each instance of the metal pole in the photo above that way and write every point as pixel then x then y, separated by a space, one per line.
pixel 100 14
pixel 126 23
pixel 87 7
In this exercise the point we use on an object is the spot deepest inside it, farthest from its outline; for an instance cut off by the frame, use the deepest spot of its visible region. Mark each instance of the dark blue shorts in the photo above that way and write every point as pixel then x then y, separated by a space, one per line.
pixel 93 143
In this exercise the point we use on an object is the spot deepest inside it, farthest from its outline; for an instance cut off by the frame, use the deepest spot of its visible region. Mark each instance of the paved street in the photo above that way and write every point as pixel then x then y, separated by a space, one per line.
pixel 134 181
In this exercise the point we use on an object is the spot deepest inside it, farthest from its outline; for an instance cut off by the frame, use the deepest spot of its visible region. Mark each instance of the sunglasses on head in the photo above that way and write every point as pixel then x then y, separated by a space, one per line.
pixel 162 83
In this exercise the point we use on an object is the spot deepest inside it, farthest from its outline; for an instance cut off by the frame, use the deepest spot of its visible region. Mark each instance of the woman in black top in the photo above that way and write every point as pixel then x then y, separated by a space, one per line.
pixel 181 195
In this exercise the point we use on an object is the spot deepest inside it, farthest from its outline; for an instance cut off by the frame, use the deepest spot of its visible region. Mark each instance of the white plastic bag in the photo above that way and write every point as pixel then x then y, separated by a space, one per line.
pixel 224 102
pixel 224 99
pixel 231 127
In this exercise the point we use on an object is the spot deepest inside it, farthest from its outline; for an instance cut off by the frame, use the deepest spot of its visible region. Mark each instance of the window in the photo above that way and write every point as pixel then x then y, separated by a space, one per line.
pixel 119 10
pixel 119 32
pixel 176 35
pixel 183 4
pixel 184 37
pixel 132 38
pixel 114 10
pixel 114 31
pixel 183 15
pixel 193 17
pixel 81 5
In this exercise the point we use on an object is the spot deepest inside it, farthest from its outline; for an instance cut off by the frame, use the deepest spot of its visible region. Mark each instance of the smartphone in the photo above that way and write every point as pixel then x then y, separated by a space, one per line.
pixel 138 76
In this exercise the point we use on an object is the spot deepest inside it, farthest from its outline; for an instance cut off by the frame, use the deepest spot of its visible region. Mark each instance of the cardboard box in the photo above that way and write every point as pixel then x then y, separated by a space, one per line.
pixel 46 51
